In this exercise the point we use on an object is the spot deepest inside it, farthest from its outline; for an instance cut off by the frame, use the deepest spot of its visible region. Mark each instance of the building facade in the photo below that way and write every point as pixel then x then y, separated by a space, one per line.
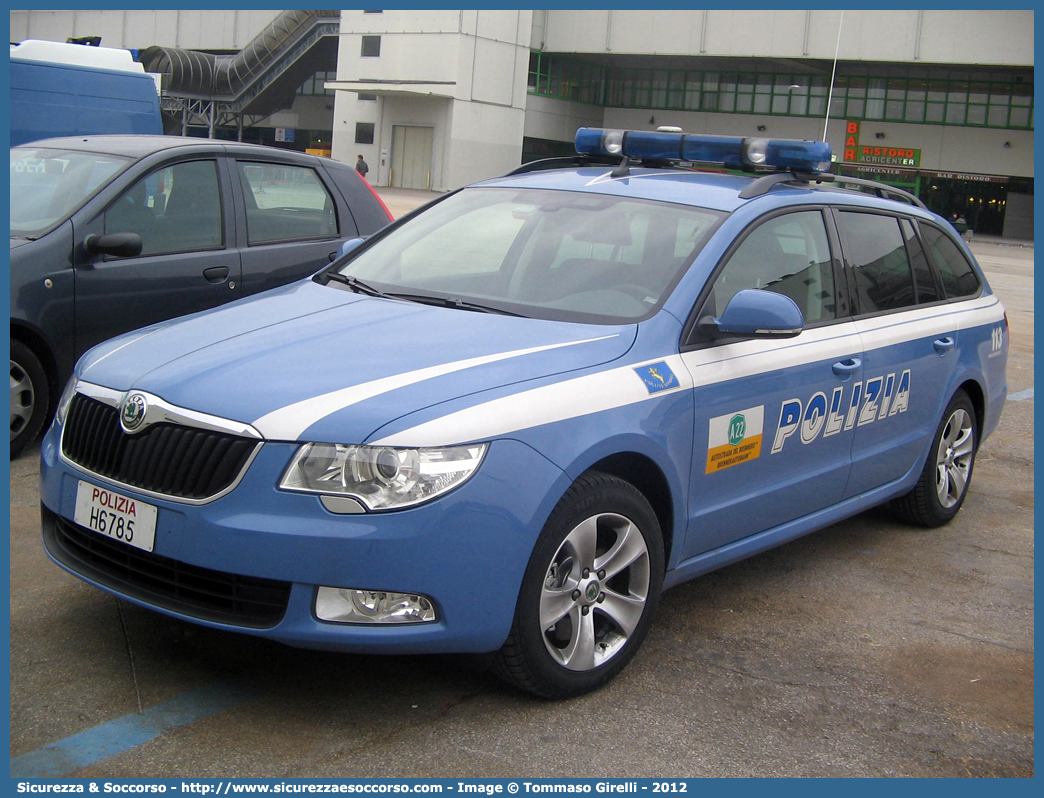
pixel 937 101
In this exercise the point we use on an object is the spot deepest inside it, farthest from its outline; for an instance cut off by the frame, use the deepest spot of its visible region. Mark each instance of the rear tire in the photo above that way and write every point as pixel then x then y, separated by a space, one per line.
pixel 30 397
pixel 589 592
pixel 947 473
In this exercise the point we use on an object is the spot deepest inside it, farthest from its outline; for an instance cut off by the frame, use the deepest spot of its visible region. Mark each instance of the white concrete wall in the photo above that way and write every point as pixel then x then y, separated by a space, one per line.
pixel 1001 37
pixel 558 120
pixel 1018 216
pixel 463 72
pixel 960 149
pixel 198 30
pixel 385 113
pixel 349 109
pixel 485 141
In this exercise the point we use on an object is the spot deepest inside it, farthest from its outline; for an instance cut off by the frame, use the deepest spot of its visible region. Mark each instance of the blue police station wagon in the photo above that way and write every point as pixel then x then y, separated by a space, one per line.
pixel 508 421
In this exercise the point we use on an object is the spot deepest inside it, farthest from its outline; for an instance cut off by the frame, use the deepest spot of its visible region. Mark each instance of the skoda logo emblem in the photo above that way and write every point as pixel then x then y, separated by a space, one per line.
pixel 133 413
pixel 592 591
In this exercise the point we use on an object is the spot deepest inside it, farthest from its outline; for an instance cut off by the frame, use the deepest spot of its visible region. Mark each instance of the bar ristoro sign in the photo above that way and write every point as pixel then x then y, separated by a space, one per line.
pixel 884 155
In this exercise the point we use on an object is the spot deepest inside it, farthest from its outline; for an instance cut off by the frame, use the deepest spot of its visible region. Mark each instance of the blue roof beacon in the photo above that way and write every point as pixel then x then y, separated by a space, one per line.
pixel 731 151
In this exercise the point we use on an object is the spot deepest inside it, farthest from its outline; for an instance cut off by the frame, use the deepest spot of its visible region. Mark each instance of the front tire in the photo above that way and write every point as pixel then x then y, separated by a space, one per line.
pixel 30 397
pixel 944 482
pixel 589 592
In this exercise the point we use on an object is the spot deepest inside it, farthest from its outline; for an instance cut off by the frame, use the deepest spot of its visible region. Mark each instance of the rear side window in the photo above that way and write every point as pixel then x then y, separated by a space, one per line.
pixel 877 254
pixel 286 203
pixel 927 289
pixel 958 277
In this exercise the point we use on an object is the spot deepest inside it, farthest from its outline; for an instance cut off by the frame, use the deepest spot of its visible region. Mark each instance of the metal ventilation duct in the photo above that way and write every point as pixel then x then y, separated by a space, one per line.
pixel 191 73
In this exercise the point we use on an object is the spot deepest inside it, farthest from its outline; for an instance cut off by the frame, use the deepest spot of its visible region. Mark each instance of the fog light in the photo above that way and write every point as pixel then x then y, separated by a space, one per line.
pixel 349 605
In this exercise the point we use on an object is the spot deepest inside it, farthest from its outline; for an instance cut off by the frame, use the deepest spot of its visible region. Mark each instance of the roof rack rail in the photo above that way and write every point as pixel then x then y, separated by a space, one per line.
pixel 565 162
pixel 763 184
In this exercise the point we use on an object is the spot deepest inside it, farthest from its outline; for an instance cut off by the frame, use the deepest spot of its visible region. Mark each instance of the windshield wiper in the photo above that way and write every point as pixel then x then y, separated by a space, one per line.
pixel 451 302
pixel 358 286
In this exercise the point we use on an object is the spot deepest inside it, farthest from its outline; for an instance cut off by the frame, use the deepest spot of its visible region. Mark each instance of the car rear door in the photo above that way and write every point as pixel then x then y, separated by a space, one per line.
pixel 772 428
pixel 289 221
pixel 189 262
pixel 910 337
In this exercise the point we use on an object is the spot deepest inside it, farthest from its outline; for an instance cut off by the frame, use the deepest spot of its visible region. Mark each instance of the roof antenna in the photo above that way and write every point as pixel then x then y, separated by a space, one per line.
pixel 623 170
pixel 830 94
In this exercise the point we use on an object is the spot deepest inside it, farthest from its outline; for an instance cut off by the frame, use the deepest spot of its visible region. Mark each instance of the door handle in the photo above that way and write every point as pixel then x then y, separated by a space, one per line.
pixel 216 274
pixel 944 345
pixel 847 367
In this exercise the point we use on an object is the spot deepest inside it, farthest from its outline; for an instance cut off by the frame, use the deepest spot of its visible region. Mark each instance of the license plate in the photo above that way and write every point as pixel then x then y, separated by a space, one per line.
pixel 117 516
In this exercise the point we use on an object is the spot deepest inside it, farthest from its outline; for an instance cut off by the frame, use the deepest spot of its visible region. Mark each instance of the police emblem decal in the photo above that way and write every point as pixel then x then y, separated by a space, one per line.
pixel 132 415
pixel 657 377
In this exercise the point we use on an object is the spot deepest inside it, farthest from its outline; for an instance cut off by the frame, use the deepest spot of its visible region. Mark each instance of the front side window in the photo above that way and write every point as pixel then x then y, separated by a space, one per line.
pixel 789 255
pixel 174 209
pixel 547 254
pixel 878 258
pixel 958 276
pixel 47 185
pixel 286 203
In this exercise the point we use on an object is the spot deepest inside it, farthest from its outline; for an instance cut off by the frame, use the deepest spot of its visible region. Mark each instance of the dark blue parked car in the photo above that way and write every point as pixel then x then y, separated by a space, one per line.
pixel 112 233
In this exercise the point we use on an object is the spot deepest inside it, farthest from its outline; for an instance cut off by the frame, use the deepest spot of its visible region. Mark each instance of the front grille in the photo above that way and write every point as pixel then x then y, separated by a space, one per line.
pixel 187 589
pixel 167 459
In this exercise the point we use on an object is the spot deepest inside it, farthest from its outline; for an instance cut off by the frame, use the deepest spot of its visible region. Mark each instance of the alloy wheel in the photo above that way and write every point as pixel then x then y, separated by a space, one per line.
pixel 594 592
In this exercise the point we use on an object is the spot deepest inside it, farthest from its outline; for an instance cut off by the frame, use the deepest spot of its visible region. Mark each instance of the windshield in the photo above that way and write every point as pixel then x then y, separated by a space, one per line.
pixel 547 254
pixel 47 185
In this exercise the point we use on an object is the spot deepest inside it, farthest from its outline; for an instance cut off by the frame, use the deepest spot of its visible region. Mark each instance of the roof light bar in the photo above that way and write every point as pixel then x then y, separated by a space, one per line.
pixel 732 151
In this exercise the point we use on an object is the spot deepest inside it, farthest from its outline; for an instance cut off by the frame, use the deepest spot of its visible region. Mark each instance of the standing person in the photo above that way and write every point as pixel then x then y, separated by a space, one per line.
pixel 361 167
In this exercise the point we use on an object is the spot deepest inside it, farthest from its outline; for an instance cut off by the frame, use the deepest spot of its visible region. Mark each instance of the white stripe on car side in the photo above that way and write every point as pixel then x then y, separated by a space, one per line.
pixel 883 331
pixel 581 396
pixel 288 423
pixel 617 387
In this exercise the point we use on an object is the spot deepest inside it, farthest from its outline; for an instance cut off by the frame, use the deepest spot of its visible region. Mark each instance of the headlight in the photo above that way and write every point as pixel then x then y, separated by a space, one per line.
pixel 66 400
pixel 380 477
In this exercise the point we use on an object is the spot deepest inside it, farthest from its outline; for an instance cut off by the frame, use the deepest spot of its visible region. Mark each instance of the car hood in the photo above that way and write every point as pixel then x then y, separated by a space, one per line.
pixel 18 242
pixel 312 362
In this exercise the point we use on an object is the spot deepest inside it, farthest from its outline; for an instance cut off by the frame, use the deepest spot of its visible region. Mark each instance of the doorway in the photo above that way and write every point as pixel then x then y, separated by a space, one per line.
pixel 981 203
pixel 411 157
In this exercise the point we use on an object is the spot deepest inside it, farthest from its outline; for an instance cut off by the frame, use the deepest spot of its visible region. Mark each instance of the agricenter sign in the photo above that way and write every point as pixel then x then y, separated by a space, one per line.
pixel 880 154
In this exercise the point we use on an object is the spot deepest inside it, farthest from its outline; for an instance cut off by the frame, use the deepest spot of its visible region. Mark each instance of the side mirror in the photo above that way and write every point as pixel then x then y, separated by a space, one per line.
pixel 754 313
pixel 349 245
pixel 121 245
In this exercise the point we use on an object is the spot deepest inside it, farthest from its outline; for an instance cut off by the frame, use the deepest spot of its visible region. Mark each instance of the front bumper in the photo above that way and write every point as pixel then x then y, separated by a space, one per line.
pixel 466 550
